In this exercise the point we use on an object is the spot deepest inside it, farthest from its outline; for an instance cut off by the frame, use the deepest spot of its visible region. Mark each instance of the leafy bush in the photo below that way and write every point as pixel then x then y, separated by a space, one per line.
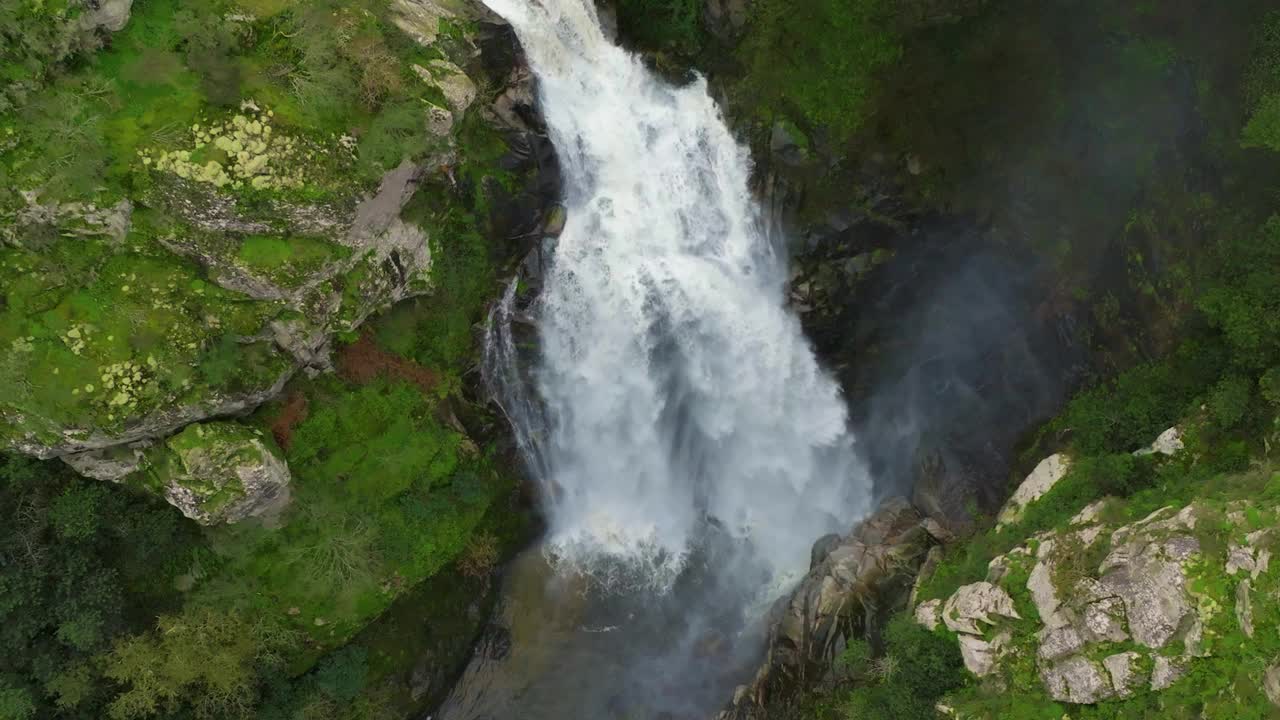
pixel 1263 128
pixel 916 669
pixel 210 661
pixel 1242 295
pixel 1269 385
pixel 1229 401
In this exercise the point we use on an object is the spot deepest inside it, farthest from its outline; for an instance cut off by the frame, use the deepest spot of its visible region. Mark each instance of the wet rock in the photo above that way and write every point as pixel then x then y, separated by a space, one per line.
pixel 822 548
pixel 785 146
pixel 860 575
pixel 555 221
pixel 944 493
pixel 726 18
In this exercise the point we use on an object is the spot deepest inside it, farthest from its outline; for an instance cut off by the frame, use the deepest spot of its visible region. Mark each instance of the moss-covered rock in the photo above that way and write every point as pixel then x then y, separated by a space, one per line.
pixel 222 472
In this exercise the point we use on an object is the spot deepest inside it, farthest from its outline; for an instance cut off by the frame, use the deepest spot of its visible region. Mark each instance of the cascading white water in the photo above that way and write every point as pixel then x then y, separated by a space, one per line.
pixel 678 392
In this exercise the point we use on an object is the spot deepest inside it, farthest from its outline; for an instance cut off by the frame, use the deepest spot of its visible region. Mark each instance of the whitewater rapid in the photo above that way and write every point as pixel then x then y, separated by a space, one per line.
pixel 678 396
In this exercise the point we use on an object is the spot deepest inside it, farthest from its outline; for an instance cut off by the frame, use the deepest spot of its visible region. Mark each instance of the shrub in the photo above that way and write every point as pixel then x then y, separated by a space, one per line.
pixel 1263 128
pixel 1229 401
pixel 1126 414
pixel 1242 295
pixel 917 668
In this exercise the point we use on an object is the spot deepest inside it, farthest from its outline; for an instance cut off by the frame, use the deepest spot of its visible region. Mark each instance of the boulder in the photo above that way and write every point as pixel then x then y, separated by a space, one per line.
pixel 822 548
pixel 1271 684
pixel 981 656
pixel 929 614
pixel 976 605
pixel 1244 608
pixel 726 18
pixel 111 464
pixel 1169 443
pixel 1147 571
pixel 223 473
pixel 1166 671
pixel 1122 667
pixel 106 15
pixel 944 492
pixel 1041 480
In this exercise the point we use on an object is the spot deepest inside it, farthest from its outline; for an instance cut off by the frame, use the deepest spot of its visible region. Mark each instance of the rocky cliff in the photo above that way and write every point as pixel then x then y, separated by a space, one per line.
pixel 233 250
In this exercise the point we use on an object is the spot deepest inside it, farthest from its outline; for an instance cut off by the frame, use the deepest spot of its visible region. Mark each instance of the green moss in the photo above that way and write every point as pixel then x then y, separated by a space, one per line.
pixel 290 260
pixel 105 337
pixel 385 495
pixel 819 60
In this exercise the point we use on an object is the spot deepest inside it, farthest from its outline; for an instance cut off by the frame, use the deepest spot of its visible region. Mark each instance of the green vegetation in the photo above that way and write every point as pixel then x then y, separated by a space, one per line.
pixel 324 69
pixel 1183 329
pixel 819 59
pixel 81 563
pixel 96 337
pixel 916 669
pixel 662 23
pixel 209 145
pixel 289 260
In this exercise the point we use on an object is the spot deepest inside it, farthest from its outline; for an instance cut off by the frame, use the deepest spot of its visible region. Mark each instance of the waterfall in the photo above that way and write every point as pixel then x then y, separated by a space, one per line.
pixel 677 395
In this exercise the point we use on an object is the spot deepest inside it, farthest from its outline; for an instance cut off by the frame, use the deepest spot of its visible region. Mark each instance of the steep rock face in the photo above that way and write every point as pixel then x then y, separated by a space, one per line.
pixel 853 580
